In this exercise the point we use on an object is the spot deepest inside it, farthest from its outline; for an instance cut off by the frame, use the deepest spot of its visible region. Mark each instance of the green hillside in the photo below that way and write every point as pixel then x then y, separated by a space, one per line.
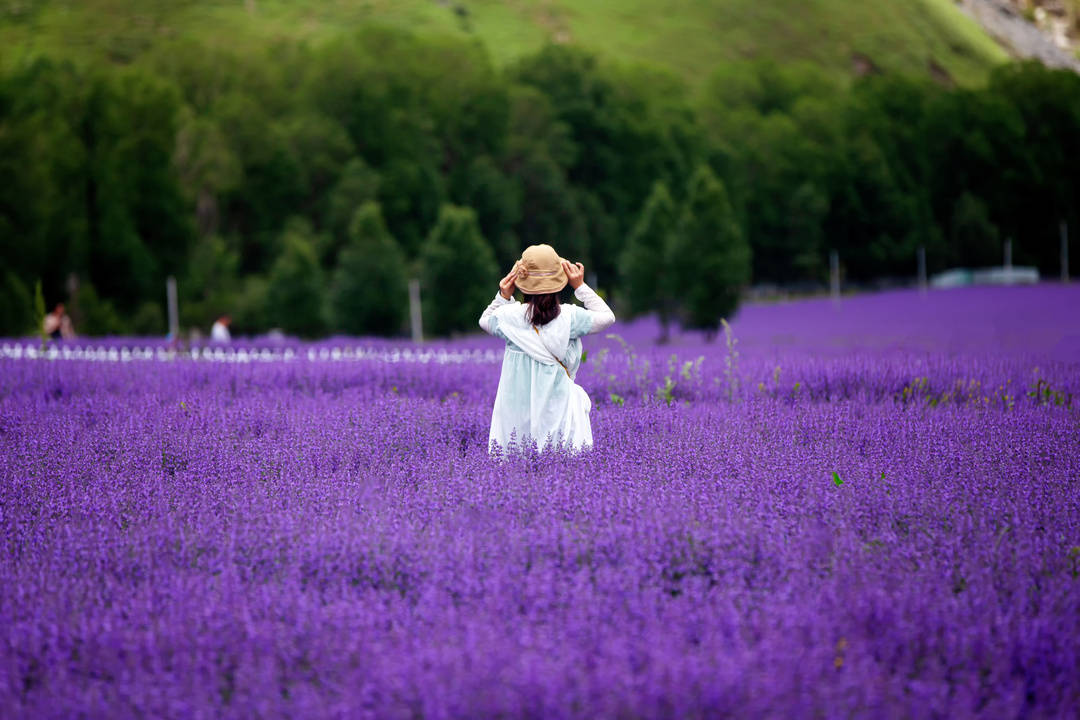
pixel 688 36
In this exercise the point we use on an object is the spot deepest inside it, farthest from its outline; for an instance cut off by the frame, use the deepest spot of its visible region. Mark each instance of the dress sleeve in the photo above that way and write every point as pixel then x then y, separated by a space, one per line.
pixel 488 322
pixel 595 317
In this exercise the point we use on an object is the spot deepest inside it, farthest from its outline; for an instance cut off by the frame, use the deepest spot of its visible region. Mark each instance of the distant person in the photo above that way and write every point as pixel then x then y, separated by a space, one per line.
pixel 537 397
pixel 58 325
pixel 219 333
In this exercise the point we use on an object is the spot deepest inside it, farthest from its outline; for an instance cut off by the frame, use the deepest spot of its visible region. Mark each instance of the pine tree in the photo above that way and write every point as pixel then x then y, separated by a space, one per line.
pixel 711 258
pixel 370 287
pixel 458 273
pixel 294 294
pixel 646 260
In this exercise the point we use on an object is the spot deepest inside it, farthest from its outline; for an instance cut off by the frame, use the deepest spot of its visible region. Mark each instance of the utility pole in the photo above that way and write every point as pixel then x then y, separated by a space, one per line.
pixel 174 314
pixel 416 319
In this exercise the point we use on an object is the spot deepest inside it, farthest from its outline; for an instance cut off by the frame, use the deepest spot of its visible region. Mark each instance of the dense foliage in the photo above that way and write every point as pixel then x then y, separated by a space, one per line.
pixel 370 280
pixel 800 524
pixel 233 170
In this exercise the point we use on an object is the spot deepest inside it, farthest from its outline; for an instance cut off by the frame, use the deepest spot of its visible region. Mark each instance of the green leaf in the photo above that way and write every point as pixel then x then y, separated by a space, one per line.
pixel 836 479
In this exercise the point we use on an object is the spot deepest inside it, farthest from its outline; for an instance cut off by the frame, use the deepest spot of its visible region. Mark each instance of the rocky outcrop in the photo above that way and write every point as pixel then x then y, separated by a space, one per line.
pixel 1023 38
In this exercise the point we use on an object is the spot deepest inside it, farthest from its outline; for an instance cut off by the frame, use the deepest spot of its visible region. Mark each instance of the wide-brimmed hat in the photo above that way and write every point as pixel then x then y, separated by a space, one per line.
pixel 540 271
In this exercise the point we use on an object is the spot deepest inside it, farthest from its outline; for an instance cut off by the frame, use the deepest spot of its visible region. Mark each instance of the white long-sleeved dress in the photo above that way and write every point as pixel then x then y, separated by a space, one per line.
pixel 537 397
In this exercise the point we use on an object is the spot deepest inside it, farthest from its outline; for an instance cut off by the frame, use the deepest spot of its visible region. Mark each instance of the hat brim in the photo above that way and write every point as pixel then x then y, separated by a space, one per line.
pixel 544 285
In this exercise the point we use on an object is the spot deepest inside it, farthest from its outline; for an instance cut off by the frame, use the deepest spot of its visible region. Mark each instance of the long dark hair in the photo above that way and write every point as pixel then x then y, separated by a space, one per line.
pixel 543 308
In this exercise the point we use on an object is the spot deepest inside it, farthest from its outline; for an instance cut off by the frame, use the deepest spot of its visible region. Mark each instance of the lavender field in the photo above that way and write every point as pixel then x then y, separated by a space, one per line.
pixel 863 510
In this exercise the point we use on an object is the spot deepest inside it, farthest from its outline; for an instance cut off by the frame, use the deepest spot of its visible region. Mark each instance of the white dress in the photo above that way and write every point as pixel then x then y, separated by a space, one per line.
pixel 537 398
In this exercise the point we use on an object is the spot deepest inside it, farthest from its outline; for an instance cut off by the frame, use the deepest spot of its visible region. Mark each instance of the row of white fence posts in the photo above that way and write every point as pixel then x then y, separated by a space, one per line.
pixel 416 321
pixel 920 258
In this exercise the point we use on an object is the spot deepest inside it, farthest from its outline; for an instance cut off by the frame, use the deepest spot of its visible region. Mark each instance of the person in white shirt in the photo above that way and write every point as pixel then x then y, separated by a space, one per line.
pixel 219 333
pixel 58 325
pixel 538 399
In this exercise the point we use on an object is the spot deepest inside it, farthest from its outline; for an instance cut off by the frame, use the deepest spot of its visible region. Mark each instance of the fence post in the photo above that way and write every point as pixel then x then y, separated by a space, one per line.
pixel 416 319
pixel 174 314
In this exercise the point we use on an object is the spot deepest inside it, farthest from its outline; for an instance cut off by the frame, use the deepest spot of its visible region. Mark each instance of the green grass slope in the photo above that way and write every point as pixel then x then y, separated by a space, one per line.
pixel 688 36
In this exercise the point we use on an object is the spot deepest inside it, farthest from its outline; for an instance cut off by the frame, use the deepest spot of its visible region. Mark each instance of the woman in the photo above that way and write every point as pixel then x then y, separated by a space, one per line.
pixel 538 398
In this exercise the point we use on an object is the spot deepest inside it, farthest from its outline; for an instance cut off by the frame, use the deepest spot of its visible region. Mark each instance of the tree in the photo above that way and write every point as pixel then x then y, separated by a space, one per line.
pixel 209 287
pixel 711 258
pixel 457 270
pixel 95 315
pixel 410 193
pixel 357 185
pixel 294 295
pixel 140 223
pixel 973 236
pixel 497 202
pixel 646 272
pixel 16 308
pixel 369 288
pixel 628 129
pixel 43 219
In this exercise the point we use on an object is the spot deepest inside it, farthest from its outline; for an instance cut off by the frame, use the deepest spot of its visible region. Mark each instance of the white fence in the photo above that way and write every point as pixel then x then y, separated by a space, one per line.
pixel 100 353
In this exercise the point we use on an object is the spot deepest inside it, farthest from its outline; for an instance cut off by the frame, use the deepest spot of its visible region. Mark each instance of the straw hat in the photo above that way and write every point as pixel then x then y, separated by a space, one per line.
pixel 540 271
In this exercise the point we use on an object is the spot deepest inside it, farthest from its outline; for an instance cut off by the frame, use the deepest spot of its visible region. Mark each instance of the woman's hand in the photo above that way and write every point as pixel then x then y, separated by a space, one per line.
pixel 507 284
pixel 575 273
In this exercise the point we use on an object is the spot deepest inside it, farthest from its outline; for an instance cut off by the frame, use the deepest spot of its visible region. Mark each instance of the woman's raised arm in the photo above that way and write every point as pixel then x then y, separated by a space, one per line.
pixel 602 317
pixel 599 312
pixel 487 320
pixel 503 297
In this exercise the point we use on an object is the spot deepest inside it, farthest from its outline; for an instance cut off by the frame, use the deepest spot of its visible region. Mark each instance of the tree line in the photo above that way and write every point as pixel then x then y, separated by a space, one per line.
pixel 300 187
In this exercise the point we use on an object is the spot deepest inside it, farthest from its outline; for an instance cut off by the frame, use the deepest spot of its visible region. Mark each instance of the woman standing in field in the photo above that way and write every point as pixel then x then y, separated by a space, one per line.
pixel 538 398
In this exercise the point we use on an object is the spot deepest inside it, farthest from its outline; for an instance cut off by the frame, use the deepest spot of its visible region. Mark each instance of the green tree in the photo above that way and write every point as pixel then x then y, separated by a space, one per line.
pixel 974 238
pixel 208 289
pixel 140 222
pixel 16 307
pixel 207 168
pixel 711 258
pixel 1036 183
pixel 273 185
pixel 357 185
pixel 410 193
pixel 93 315
pixel 646 272
pixel 369 289
pixel 538 151
pixel 628 129
pixel 458 273
pixel 294 295
pixel 497 202
pixel 43 218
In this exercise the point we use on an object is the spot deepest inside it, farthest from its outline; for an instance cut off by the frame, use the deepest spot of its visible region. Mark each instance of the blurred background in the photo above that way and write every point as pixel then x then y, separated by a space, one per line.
pixel 296 165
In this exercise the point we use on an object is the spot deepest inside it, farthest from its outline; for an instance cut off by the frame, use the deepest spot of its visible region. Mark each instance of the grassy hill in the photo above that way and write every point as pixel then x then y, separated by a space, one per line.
pixel 688 36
